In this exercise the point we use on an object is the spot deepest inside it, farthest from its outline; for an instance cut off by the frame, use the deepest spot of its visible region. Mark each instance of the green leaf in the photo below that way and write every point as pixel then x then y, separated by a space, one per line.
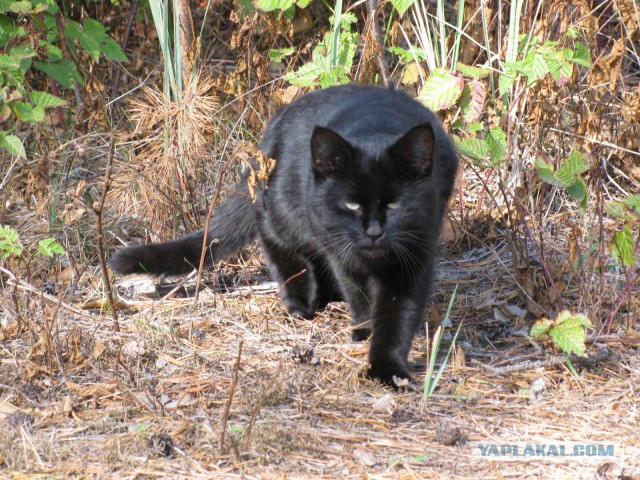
pixel 112 51
pixel 569 333
pixel 306 76
pixel 472 100
pixel 46 100
pixel 497 143
pixel 545 171
pixel 9 63
pixel 473 72
pixel 541 327
pixel 580 55
pixel 408 55
pixel 561 71
pixel 507 79
pixel 633 201
pixel 616 209
pixel 578 191
pixel 5 5
pixel 473 148
pixel 278 54
pixel 21 8
pixel 623 247
pixel 9 242
pixel 441 89
pixel 28 113
pixel 402 5
pixel 23 51
pixel 63 71
pixel 13 145
pixel 270 5
pixel 50 247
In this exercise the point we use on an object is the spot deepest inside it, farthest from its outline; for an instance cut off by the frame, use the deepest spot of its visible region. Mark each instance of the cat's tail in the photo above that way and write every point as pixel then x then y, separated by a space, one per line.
pixel 231 228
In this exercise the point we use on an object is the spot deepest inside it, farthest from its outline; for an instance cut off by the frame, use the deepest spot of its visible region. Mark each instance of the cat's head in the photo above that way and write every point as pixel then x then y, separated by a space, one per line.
pixel 377 200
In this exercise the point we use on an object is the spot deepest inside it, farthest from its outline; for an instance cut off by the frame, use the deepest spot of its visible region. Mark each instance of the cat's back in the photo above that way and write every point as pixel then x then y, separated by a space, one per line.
pixel 351 110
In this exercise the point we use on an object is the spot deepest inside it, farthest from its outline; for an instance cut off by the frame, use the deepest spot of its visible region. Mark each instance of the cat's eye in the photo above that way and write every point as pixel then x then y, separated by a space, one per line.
pixel 352 206
pixel 393 205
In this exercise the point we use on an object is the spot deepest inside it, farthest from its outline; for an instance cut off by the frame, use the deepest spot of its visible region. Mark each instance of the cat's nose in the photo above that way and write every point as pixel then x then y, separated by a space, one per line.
pixel 374 230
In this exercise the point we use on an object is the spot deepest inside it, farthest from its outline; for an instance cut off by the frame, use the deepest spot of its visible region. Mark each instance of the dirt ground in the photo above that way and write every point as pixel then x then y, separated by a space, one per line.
pixel 232 387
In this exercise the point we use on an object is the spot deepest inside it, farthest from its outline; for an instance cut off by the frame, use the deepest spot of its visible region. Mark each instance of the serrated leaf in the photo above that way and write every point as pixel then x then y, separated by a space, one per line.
pixel 23 51
pixel 497 144
pixel 581 55
pixel 545 171
pixel 21 8
pixel 541 327
pixel 9 63
pixel 569 333
pixel 536 68
pixel 616 209
pixel 506 80
pixel 113 51
pixel 270 5
pixel 306 76
pixel 402 5
pixel 441 89
pixel 46 100
pixel 63 71
pixel 278 54
pixel 472 100
pixel 576 163
pixel 561 71
pixel 578 191
pixel 472 71
pixel 9 242
pixel 473 148
pixel 633 201
pixel 623 247
pixel 49 247
pixel 93 28
pixel 474 127
pixel 13 145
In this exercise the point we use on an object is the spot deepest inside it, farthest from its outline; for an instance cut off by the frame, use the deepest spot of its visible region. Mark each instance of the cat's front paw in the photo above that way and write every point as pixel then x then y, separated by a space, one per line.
pixel 391 374
pixel 297 307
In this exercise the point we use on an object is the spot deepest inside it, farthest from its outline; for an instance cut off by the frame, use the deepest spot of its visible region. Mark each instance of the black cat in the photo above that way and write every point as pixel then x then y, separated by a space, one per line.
pixel 352 211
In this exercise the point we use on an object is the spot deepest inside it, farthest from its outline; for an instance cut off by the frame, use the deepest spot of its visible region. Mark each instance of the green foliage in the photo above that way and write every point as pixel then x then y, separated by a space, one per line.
pixel 284 5
pixel 568 176
pixel 567 332
pixel 332 58
pixel 540 60
pixel 489 151
pixel 441 90
pixel 49 247
pixel 9 242
pixel 402 5
pixel 41 49
pixel 623 248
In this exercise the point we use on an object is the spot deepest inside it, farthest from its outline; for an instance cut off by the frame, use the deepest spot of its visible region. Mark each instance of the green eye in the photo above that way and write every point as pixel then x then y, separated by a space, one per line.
pixel 352 206
pixel 393 205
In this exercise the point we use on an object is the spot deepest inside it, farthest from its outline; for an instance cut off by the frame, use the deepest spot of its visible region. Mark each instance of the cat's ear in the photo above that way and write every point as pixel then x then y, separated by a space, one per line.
pixel 416 148
pixel 330 152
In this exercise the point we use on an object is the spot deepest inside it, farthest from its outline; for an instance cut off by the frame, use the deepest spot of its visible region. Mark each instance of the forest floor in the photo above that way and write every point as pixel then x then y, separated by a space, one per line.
pixel 233 387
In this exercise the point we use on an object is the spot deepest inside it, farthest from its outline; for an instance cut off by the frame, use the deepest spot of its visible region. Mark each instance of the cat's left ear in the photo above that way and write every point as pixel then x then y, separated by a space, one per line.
pixel 416 148
pixel 330 152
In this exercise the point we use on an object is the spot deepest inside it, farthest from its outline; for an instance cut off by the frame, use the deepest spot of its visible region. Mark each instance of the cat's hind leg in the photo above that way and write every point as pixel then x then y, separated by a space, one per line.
pixel 296 278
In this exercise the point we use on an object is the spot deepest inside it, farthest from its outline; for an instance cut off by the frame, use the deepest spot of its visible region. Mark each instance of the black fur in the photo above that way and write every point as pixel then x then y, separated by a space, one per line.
pixel 352 211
